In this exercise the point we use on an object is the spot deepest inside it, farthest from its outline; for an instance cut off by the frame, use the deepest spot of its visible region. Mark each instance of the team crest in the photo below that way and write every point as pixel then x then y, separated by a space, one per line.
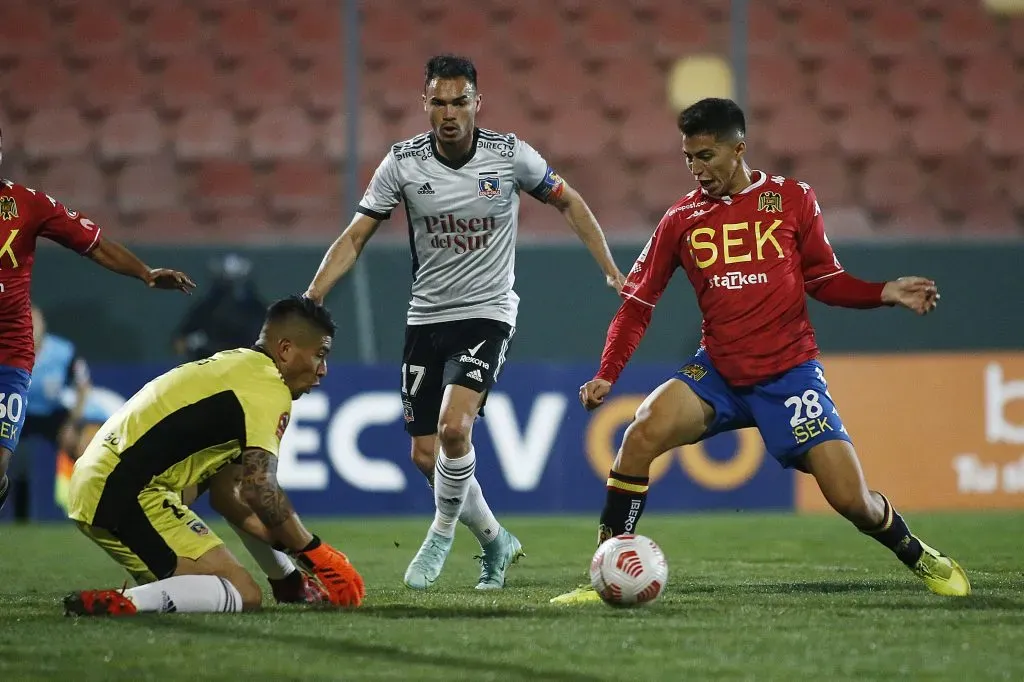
pixel 489 187
pixel 407 412
pixel 282 424
pixel 198 527
pixel 8 208
pixel 695 372
pixel 770 202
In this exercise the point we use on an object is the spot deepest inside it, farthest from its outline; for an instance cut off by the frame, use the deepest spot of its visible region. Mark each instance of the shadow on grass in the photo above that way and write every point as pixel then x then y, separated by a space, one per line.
pixel 458 665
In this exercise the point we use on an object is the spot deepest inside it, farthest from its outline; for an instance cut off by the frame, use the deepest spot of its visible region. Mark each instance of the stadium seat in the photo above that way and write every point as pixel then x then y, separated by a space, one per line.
pixel 316 32
pixel 959 182
pixel 224 184
pixel 35 83
pixel 322 85
pixel 1002 134
pixel 388 36
pixel 206 133
pixel 892 182
pixel 774 81
pixel 77 183
pixel 917 82
pixel 129 133
pixel 822 30
pixel 828 175
pixel 372 140
pixel 96 33
pixel 766 32
pixel 625 86
pixel 110 84
pixel 546 95
pixel 844 81
pixel 473 28
pixel 919 221
pixel 943 130
pixel 25 31
pixel 188 82
pixel 242 31
pixel 54 134
pixel 149 184
pixel 648 132
pixel 894 30
pixel 531 32
pixel 964 29
pixel 303 185
pixel 869 131
pixel 281 132
pixel 988 80
pixel 798 130
pixel 847 223
pixel 665 41
pixel 661 184
pixel 169 31
pixel 582 133
pixel 995 219
pixel 607 34
pixel 169 226
pixel 1015 35
pixel 260 82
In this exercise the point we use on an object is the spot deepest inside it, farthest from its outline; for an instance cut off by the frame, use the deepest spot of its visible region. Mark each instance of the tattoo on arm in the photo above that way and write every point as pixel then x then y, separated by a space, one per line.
pixel 260 490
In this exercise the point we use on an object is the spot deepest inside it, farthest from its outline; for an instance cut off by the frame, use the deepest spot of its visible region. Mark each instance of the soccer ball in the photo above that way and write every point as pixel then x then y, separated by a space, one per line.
pixel 628 570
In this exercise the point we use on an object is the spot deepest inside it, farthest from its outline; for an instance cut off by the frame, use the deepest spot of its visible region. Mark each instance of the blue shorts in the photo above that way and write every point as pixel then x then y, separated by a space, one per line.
pixel 13 400
pixel 793 411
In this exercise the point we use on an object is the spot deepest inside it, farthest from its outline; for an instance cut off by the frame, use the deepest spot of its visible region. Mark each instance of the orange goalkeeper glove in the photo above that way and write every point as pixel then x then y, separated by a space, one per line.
pixel 335 572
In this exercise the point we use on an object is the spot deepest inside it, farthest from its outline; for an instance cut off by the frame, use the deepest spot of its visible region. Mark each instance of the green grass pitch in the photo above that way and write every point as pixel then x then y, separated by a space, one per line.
pixel 750 597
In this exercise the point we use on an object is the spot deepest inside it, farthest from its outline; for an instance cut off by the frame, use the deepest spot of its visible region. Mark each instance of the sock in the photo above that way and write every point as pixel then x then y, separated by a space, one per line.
pixel 5 489
pixel 452 479
pixel 187 594
pixel 478 516
pixel 894 534
pixel 623 505
pixel 274 564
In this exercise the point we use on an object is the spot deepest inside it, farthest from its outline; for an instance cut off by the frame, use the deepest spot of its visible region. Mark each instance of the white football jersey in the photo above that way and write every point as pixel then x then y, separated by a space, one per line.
pixel 463 221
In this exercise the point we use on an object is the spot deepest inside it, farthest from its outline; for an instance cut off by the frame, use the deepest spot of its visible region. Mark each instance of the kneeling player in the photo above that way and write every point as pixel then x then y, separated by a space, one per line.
pixel 177 432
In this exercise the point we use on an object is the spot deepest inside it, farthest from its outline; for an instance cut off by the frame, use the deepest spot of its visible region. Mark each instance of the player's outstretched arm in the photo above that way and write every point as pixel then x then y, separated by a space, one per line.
pixel 260 490
pixel 117 258
pixel 582 221
pixel 341 256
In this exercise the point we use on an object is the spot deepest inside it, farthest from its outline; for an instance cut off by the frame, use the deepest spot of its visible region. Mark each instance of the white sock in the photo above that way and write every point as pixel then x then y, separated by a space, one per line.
pixel 187 594
pixel 478 516
pixel 275 564
pixel 452 478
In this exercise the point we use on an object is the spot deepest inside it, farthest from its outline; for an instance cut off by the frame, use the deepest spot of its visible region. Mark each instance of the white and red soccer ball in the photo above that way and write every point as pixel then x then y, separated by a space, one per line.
pixel 628 570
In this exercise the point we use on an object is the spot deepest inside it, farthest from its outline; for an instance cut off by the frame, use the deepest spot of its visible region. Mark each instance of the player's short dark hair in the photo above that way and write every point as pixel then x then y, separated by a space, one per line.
pixel 721 118
pixel 449 66
pixel 302 308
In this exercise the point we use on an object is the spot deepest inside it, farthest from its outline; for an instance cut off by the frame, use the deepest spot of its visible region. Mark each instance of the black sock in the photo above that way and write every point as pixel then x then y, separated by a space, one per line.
pixel 5 489
pixel 894 534
pixel 623 505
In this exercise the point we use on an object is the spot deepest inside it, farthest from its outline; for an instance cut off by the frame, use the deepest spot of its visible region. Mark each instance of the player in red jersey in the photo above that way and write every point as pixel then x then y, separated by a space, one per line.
pixel 751 244
pixel 25 215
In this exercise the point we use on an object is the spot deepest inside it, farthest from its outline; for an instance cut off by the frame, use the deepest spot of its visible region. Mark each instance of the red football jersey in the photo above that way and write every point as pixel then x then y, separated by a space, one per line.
pixel 749 258
pixel 26 214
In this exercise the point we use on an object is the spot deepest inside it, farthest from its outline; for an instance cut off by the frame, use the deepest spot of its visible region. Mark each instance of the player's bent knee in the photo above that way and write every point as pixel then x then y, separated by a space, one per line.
pixel 454 434
pixel 642 442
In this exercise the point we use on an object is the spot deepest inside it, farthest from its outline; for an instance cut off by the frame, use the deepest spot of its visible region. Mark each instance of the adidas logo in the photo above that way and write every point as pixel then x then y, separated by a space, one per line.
pixel 426 189
pixel 475 374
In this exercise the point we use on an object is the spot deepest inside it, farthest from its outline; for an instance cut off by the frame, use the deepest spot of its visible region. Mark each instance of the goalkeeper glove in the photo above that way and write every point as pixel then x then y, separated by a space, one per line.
pixel 339 577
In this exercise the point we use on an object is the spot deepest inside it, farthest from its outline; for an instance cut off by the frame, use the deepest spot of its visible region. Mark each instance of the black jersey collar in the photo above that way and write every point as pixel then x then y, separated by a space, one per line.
pixel 455 165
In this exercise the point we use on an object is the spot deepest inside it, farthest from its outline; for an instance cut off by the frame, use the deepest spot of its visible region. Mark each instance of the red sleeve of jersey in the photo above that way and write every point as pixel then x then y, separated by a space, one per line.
pixel 64 226
pixel 824 277
pixel 644 286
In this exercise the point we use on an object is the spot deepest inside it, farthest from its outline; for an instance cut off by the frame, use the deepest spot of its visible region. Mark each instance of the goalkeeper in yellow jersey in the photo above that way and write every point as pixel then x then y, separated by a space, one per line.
pixel 178 432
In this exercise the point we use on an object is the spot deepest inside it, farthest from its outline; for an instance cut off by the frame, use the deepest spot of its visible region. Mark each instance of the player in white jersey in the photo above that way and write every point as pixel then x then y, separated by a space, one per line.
pixel 461 186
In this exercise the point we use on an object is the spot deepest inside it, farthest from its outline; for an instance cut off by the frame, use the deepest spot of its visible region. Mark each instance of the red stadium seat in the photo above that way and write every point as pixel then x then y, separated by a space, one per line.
pixel 531 33
pixel 244 30
pixel 96 33
pixel 36 83
pixel 77 183
pixel 322 86
pixel 249 222
pixel 775 81
pixel 317 31
pixel 112 84
pixel 996 219
pixel 1002 134
pixel 281 132
pixel 661 184
pixel 822 30
pixel 225 184
pixel 892 183
pixel 581 133
pixel 55 133
pixel 173 225
pixel 648 133
pixel 171 30
pixel 607 34
pixel 394 89
pixel 413 124
pixel 798 130
pixel 626 86
pixel 960 183
pixel 130 133
pixel 918 82
pixel 372 141
pixel 303 186
pixel 321 224
pixel 474 30
pixel 845 81
pixel 1015 35
pixel 921 220
pixel 206 133
pixel 943 130
pixel 388 36
pixel 964 29
pixel 988 80
pixel 148 185
pixel 766 33
pixel 261 82
pixel 894 30
pixel 828 175
pixel 189 81
pixel 847 223
pixel 25 31
pixel 547 94
pixel 869 131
